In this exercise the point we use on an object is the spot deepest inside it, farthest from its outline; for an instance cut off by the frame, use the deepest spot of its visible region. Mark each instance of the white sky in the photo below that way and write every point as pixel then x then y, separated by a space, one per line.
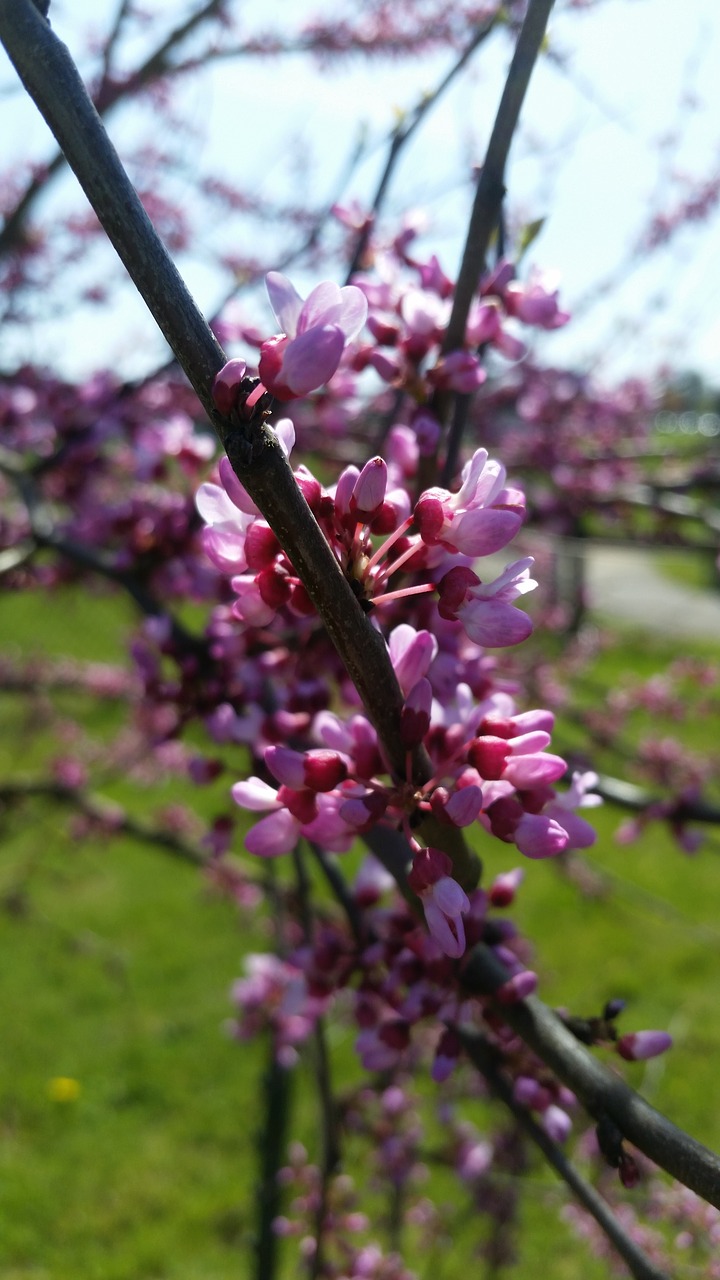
pixel 588 160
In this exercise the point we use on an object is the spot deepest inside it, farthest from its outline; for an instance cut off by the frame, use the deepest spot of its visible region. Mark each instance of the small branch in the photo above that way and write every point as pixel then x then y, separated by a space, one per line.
pixel 627 796
pixel 491 183
pixel 486 210
pixel 271 1141
pixel 401 135
pixel 330 1136
pixel 481 1054
pixel 600 1090
pixel 454 440
pixel 104 812
pixel 339 887
pixel 107 96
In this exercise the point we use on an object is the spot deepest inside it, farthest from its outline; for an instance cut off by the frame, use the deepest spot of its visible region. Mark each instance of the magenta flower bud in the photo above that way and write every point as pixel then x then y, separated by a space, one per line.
pixel 537 836
pixel 310 488
pixel 287 766
pixel 226 385
pixel 505 815
pixel 301 804
pixel 389 367
pixel 504 887
pixel 203 770
pixel 637 1046
pixel 528 1092
pixel 628 1170
pixel 460 371
pixel 369 492
pixel 430 517
pixel 411 653
pixel 236 492
pixel 453 590
pixel 429 866
pixel 489 755
pixel 384 330
pixel 261 546
pixel 308 351
pixel 483 323
pixel 274 588
pixel 344 490
pixel 395 1033
pixel 498 279
pixel 363 811
pixel 385 520
pixel 446 1055
pixel 324 769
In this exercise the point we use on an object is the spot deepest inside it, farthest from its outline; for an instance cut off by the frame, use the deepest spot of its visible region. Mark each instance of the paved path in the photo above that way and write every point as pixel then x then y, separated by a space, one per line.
pixel 624 583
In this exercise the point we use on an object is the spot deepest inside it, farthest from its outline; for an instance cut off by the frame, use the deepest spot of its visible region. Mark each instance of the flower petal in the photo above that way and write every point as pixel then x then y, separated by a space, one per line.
pixel 285 301
pixel 311 359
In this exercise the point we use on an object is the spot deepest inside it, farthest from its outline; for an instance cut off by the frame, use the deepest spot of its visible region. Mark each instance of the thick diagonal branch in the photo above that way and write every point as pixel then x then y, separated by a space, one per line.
pixel 52 80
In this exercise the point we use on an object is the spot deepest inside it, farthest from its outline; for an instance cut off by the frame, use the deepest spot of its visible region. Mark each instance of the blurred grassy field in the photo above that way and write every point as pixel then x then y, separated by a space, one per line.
pixel 116 966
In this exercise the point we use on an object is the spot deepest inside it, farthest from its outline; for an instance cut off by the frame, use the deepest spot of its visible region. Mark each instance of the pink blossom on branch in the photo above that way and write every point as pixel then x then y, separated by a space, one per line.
pixel 314 335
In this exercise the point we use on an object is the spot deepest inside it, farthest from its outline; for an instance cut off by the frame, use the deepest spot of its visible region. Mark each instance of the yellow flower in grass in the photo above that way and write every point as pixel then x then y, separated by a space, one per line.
pixel 63 1089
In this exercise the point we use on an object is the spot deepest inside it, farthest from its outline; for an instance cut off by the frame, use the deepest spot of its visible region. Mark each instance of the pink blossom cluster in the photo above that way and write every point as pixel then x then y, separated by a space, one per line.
pixel 490 762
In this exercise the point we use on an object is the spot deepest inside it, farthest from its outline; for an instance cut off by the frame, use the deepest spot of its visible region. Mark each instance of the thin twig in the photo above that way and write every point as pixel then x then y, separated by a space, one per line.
pixel 404 131
pixel 489 196
pixel 105 813
pixel 330 1137
pixel 482 1055
pixel 491 183
pixel 107 96
pixel 601 1091
pixel 339 887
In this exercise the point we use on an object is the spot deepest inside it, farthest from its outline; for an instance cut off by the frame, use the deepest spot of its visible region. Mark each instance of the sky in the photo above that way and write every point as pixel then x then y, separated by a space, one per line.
pixel 622 121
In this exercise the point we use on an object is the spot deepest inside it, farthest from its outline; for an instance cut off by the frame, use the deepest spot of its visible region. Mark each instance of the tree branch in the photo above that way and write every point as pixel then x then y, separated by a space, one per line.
pixel 404 131
pixel 601 1091
pixel 491 183
pixel 107 96
pixel 104 812
pixel 481 1054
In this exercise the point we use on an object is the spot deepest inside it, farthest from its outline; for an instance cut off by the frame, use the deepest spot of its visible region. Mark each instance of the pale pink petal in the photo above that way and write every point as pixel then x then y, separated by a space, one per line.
pixel 254 794
pixel 322 307
pixel 285 301
pixel 312 358
pixel 483 531
pixel 494 623
pixel 276 834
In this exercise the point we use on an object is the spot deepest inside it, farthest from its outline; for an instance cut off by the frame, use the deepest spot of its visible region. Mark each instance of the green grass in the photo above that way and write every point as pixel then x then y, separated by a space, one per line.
pixel 690 568
pixel 117 964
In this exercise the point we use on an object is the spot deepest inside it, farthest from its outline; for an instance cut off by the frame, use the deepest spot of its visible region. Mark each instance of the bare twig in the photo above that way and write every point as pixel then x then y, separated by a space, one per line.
pixel 404 131
pixel 105 813
pixel 601 1091
pixel 483 1057
pixel 107 96
pixel 628 796
pixel 489 196
pixel 491 183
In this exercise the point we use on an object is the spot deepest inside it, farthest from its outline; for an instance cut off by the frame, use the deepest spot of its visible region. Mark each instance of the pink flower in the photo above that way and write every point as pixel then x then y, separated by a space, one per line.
pixel 315 332
pixel 444 901
pixel 485 608
pixel 481 518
